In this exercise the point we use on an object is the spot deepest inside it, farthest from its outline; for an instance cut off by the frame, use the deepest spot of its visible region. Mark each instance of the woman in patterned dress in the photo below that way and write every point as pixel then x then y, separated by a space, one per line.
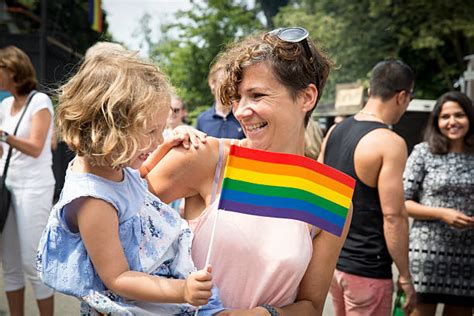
pixel 439 193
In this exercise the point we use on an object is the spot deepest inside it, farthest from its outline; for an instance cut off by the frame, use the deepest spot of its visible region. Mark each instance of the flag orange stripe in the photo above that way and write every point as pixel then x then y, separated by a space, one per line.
pixel 289 170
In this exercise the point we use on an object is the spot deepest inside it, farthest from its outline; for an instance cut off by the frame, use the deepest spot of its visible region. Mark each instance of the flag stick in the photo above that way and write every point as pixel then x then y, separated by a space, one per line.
pixel 209 250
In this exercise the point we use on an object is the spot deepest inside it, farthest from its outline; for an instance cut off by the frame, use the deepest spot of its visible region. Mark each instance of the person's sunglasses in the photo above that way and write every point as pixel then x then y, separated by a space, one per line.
pixel 296 35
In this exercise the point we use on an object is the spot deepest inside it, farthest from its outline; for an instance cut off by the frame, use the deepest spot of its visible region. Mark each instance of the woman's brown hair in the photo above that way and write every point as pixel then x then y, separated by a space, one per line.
pixel 19 64
pixel 287 60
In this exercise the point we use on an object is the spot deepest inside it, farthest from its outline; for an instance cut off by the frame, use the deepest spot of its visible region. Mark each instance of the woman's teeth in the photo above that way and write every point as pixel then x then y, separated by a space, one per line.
pixel 253 127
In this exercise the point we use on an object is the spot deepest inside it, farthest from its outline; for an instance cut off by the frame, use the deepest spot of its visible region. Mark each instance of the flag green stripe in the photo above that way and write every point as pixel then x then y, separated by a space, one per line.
pixel 275 191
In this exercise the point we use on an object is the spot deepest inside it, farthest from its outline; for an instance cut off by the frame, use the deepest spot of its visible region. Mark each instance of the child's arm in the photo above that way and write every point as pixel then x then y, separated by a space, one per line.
pixel 98 225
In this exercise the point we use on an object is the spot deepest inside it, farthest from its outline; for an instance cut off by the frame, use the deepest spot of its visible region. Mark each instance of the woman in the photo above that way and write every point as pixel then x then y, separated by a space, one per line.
pixel 439 193
pixel 261 265
pixel 30 178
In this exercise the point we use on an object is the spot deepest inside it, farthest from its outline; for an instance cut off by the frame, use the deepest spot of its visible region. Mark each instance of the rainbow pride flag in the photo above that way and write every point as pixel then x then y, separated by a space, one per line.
pixel 95 15
pixel 286 186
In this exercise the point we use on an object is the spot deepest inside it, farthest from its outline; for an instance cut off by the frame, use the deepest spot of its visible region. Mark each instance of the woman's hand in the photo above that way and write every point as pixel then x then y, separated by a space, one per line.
pixel 186 135
pixel 456 218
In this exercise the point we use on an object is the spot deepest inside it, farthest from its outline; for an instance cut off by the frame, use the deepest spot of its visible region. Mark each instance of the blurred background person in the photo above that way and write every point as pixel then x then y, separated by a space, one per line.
pixel 100 48
pixel 313 137
pixel 218 121
pixel 177 117
pixel 30 178
pixel 439 193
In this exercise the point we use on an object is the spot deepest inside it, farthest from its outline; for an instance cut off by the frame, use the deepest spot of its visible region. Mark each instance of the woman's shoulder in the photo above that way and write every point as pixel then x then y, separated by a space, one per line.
pixel 40 100
pixel 206 155
pixel 6 103
pixel 422 148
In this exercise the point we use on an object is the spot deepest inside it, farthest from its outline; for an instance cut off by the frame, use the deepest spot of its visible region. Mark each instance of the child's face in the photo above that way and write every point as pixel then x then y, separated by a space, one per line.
pixel 154 137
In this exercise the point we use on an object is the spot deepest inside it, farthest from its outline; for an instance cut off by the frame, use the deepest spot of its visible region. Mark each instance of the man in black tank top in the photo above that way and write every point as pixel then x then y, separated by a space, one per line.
pixel 365 148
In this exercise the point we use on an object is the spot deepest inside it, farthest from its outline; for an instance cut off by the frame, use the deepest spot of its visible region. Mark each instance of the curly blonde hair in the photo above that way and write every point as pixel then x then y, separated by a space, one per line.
pixel 287 60
pixel 104 109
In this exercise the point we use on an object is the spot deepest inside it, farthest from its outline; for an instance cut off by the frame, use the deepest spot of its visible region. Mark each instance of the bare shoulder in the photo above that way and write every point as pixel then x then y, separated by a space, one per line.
pixel 184 172
pixel 383 140
pixel 379 148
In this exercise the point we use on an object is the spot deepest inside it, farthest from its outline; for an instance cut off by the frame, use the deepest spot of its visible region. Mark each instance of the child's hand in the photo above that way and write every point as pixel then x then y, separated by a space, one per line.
pixel 184 134
pixel 197 287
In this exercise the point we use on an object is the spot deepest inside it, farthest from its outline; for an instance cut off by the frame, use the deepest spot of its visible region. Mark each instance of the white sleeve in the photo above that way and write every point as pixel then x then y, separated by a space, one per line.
pixel 40 101
pixel 2 113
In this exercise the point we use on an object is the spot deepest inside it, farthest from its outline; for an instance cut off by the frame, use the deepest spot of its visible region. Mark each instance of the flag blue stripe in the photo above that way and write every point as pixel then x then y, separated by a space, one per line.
pixel 284 203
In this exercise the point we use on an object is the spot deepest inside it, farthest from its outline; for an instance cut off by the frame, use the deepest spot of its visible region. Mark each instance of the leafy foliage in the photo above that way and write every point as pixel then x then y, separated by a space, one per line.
pixel 431 36
pixel 194 40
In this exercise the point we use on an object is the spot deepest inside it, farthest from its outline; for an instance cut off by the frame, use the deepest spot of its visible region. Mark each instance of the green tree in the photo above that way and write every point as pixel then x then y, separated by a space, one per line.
pixel 188 46
pixel 431 36
pixel 270 8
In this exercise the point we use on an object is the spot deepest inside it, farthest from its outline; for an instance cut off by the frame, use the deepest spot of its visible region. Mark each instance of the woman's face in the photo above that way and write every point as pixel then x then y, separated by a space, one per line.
pixel 271 118
pixel 453 122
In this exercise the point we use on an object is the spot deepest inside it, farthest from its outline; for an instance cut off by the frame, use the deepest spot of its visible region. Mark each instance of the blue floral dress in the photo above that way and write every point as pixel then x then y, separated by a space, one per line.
pixel 154 237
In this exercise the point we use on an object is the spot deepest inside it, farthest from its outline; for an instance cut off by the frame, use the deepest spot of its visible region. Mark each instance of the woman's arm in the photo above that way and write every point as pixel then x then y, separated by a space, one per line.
pixel 184 172
pixel 98 225
pixel 182 136
pixel 450 216
pixel 315 284
pixel 33 146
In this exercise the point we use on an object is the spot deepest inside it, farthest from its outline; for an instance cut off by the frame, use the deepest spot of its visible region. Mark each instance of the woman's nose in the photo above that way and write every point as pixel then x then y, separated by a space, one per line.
pixel 242 109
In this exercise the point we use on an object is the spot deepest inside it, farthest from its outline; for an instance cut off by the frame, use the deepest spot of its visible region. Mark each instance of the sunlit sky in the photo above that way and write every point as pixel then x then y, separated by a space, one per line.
pixel 123 17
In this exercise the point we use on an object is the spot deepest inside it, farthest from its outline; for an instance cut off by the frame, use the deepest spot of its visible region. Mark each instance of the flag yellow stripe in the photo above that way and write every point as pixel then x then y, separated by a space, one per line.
pixel 290 170
pixel 289 182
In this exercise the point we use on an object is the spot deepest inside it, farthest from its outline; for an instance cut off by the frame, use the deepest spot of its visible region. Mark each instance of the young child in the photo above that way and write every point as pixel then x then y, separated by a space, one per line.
pixel 109 241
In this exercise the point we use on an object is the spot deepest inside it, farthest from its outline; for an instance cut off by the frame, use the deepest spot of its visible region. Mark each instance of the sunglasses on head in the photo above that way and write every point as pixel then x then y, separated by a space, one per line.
pixel 296 35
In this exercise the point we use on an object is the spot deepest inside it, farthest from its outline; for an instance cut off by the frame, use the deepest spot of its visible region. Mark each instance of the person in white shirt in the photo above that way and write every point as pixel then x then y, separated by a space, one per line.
pixel 30 178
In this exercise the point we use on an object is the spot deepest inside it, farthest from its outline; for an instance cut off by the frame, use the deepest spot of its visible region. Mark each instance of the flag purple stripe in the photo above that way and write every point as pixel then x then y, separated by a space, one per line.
pixel 280 213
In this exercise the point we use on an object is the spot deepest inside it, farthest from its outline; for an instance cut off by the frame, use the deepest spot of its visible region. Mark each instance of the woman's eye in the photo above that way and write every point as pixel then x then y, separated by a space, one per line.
pixel 258 95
